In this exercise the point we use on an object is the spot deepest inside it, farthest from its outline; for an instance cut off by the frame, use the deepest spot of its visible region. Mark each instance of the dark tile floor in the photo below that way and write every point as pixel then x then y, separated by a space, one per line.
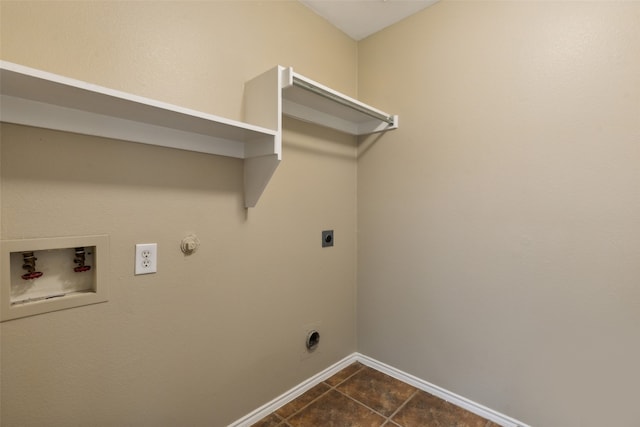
pixel 359 396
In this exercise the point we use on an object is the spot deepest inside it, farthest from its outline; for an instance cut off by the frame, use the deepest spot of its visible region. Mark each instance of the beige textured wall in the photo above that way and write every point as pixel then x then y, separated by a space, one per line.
pixel 499 227
pixel 212 336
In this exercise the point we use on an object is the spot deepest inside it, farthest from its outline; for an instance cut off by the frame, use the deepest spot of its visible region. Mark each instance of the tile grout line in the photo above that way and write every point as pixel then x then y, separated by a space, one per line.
pixel 327 391
pixel 362 404
pixel 356 400
pixel 402 406
pixel 492 417
pixel 386 419
pixel 305 406
pixel 282 420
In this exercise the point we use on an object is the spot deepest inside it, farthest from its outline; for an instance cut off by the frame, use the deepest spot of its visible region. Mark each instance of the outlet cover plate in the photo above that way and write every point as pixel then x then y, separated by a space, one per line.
pixel 146 258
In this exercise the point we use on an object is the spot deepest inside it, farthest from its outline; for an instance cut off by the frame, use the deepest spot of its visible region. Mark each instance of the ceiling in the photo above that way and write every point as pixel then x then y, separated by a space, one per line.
pixel 361 18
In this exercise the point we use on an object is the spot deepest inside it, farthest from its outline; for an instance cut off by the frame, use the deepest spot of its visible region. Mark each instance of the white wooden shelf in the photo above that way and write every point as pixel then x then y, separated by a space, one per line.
pixel 281 91
pixel 307 100
pixel 41 99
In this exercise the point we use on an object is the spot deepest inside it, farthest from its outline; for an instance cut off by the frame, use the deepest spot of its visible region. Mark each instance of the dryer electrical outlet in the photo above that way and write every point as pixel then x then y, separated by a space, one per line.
pixel 146 258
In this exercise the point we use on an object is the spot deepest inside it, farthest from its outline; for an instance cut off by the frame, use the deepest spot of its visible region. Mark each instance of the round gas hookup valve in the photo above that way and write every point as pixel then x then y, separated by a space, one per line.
pixel 190 244
pixel 313 339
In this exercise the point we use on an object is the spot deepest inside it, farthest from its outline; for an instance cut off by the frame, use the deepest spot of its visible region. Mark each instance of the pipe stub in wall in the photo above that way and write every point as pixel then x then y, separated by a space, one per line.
pixel 313 339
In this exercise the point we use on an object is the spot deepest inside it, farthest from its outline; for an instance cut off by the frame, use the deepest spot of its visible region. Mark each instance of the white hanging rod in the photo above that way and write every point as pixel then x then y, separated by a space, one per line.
pixel 342 101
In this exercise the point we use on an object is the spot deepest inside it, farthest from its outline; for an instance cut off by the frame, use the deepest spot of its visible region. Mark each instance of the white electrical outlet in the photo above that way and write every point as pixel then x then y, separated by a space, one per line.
pixel 146 258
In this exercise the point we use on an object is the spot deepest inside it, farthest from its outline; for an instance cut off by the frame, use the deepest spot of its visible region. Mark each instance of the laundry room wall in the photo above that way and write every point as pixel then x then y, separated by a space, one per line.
pixel 214 335
pixel 499 226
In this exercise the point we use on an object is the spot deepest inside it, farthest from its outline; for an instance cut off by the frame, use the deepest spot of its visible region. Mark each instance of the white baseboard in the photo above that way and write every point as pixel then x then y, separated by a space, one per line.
pixel 296 391
pixel 443 394
pixel 418 383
